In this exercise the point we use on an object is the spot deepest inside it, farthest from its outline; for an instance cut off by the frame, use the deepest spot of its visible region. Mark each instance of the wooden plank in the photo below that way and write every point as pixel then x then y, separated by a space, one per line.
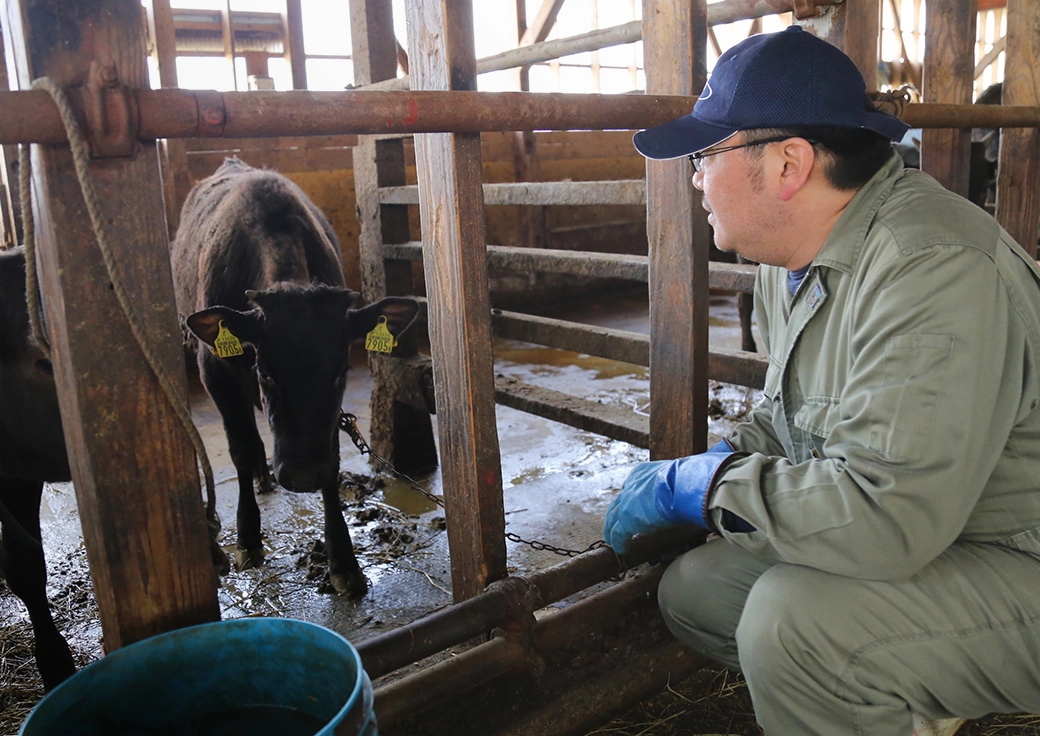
pixel 400 432
pixel 730 366
pixel 949 76
pixel 674 33
pixel 620 191
pixel 738 277
pixel 610 421
pixel 1018 182
pixel 133 467
pixel 543 22
pixel 448 168
pixel 177 181
pixel 10 219
pixel 294 49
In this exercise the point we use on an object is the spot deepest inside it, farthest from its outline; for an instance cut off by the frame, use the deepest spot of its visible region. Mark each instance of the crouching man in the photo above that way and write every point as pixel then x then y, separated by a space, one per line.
pixel 879 514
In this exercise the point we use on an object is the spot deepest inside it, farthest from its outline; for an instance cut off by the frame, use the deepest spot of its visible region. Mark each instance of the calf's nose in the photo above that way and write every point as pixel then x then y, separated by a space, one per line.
pixel 300 480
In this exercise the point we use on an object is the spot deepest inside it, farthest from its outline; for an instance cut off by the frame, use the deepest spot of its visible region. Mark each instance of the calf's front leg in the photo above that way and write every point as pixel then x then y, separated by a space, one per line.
pixel 25 569
pixel 344 571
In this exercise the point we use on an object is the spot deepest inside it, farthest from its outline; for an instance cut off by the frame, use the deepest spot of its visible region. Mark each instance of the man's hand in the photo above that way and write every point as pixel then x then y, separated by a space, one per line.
pixel 664 493
pixel 634 511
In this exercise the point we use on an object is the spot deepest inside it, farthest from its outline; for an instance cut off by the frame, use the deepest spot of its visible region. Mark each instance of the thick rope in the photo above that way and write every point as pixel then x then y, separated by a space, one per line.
pixel 80 157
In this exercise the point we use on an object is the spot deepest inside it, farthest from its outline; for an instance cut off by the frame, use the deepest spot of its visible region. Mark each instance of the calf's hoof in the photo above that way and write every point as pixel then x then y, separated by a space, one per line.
pixel 246 559
pixel 353 585
pixel 265 480
pixel 220 559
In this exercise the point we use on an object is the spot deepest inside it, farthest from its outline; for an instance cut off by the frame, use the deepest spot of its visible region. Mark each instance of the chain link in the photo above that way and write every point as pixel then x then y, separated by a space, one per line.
pixel 348 424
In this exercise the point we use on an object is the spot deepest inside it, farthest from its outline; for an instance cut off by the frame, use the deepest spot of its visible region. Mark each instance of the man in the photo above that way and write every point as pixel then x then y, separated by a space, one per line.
pixel 879 513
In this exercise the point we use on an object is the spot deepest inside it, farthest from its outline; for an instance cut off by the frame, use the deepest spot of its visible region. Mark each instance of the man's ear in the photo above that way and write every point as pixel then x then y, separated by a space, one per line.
pixel 246 326
pixel 400 313
pixel 799 161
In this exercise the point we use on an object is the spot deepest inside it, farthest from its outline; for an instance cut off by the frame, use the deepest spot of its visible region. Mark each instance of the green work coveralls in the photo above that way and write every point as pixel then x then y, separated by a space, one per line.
pixel 893 478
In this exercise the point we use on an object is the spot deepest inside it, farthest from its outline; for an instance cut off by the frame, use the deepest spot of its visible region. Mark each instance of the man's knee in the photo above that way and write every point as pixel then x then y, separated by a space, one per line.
pixel 791 623
pixel 702 596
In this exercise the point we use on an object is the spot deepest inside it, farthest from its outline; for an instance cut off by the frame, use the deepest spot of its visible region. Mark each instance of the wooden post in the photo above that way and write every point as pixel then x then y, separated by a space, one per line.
pixel 948 76
pixel 10 217
pixel 1018 176
pixel 451 207
pixel 399 432
pixel 176 179
pixel 853 28
pixel 134 470
pixel 674 44
pixel 293 21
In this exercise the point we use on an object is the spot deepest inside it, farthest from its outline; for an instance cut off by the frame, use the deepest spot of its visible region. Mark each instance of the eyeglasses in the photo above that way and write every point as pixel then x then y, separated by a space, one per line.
pixel 697 159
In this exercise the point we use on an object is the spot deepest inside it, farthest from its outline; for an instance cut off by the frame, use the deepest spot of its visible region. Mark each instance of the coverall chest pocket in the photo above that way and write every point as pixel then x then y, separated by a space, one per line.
pixel 815 420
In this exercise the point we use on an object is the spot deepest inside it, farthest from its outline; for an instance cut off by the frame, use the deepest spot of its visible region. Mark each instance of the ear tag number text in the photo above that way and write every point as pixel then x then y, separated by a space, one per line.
pixel 379 340
pixel 226 345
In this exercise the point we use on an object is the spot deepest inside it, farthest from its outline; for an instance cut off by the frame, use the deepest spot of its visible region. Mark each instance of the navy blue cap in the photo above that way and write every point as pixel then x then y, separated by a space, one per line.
pixel 771 80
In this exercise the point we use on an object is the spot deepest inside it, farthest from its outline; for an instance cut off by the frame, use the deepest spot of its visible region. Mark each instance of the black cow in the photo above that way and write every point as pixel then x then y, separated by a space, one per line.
pixel 32 451
pixel 258 278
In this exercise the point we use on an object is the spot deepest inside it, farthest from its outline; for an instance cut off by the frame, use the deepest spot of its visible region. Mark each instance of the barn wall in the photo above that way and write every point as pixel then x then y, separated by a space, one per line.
pixel 323 168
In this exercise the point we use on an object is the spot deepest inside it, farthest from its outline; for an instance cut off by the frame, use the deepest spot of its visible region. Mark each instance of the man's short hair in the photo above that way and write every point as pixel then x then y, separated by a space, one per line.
pixel 852 157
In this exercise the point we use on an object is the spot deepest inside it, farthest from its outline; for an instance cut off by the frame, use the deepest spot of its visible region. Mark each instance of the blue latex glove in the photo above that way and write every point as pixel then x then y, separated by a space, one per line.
pixel 681 495
pixel 634 510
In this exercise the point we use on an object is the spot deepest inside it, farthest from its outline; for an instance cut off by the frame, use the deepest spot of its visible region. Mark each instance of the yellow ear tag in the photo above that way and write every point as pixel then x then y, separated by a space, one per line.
pixel 226 345
pixel 379 340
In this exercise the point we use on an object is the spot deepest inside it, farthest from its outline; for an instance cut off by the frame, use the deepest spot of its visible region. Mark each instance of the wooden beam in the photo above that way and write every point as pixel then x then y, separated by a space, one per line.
pixel 853 28
pixel 400 433
pixel 542 24
pixel 10 217
pixel 674 33
pixel 617 192
pixel 722 276
pixel 177 180
pixel 294 49
pixel 448 168
pixel 134 471
pixel 949 76
pixel 725 11
pixel 1018 182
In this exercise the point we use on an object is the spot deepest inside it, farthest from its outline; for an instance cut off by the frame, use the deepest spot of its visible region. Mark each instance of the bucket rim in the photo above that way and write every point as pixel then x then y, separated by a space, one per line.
pixel 112 659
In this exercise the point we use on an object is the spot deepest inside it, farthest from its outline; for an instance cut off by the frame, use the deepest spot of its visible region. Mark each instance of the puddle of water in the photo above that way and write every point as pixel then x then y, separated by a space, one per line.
pixel 403 497
pixel 531 356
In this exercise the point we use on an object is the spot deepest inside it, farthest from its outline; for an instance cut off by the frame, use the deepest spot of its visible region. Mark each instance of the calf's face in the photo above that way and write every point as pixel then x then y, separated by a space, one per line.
pixel 301 338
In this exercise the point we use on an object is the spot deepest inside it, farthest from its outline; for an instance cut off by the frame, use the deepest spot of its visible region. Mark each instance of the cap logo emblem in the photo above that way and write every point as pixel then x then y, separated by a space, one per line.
pixel 707 92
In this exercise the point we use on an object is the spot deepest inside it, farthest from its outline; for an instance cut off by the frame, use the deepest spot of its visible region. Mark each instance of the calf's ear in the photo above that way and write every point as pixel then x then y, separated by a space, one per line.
pixel 246 326
pixel 400 313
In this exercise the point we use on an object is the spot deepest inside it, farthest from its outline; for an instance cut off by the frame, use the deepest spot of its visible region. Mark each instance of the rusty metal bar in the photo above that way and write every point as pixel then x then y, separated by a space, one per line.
pixel 30 116
pixel 405 698
pixel 591 701
pixel 620 192
pixel 722 276
pixel 445 680
pixel 509 599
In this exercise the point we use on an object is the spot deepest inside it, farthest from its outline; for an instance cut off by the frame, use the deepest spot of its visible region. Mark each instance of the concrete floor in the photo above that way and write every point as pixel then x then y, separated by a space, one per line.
pixel 557 481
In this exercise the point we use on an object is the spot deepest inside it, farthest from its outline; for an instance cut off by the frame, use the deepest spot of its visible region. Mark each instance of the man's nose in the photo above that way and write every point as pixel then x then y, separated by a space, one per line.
pixel 698 180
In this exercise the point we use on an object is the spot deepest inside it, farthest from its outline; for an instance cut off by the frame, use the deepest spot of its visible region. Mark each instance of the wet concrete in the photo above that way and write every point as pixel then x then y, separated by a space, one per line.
pixel 557 481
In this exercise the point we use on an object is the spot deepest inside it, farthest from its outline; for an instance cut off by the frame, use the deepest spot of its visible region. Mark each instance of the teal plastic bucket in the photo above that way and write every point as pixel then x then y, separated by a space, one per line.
pixel 244 676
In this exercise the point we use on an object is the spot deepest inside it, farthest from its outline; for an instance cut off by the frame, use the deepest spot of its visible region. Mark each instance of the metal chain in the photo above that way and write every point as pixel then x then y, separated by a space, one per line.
pixel 348 424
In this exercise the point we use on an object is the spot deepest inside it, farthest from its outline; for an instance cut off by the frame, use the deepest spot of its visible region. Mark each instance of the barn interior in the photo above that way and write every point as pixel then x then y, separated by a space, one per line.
pixel 498 184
